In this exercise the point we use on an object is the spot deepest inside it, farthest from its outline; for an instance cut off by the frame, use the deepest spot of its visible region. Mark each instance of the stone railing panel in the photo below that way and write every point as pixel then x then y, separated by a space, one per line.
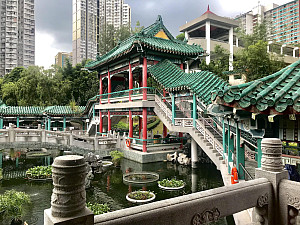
pixel 198 208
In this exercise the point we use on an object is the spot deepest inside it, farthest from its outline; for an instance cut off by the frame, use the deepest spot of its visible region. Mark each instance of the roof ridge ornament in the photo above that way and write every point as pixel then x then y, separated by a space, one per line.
pixel 159 19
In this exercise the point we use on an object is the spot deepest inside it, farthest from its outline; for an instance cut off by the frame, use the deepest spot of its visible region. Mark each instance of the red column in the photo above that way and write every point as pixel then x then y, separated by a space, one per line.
pixel 108 183
pixel 144 129
pixel 100 88
pixel 181 140
pixel 145 78
pixel 130 81
pixel 164 127
pixel 108 121
pixel 100 122
pixel 181 66
pixel 140 126
pixel 130 125
pixel 165 131
pixel 109 85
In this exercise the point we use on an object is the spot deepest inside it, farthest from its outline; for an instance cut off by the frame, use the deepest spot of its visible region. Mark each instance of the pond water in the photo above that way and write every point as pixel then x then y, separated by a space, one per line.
pixel 107 187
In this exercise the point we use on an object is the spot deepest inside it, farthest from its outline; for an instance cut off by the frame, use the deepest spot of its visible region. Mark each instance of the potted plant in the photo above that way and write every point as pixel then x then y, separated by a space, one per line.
pixel 39 173
pixel 13 206
pixel 172 184
pixel 116 157
pixel 98 208
pixel 140 196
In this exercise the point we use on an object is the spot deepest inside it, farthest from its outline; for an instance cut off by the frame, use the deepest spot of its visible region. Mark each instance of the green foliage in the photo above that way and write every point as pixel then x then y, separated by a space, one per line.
pixel 141 195
pixel 138 28
pixel 171 183
pixel 111 36
pixel 257 62
pixel 219 62
pixel 152 125
pixel 180 36
pixel 254 58
pixel 13 204
pixel 98 208
pixel 1 173
pixel 259 34
pixel 35 86
pixel 14 75
pixel 121 126
pixel 39 172
pixel 116 157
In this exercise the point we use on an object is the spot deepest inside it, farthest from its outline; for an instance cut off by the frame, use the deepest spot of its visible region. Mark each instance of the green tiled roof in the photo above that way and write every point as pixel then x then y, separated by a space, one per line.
pixel 146 40
pixel 172 78
pixel 22 110
pixel 63 110
pixel 279 91
pixel 39 110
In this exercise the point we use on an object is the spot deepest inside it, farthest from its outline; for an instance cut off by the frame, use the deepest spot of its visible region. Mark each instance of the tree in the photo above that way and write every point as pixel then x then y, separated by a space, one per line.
pixel 180 36
pixel 257 62
pixel 138 28
pixel 110 37
pixel 219 62
pixel 14 75
pixel 254 58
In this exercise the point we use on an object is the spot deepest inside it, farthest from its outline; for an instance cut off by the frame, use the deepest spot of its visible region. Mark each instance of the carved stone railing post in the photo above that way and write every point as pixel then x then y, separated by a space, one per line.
pixel 271 168
pixel 68 200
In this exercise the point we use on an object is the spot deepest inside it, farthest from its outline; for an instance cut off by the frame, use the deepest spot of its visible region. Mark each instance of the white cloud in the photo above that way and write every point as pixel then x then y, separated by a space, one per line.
pixel 45 51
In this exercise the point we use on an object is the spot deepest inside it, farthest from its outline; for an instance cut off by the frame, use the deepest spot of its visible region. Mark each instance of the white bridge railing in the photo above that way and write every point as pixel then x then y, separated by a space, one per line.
pixel 201 124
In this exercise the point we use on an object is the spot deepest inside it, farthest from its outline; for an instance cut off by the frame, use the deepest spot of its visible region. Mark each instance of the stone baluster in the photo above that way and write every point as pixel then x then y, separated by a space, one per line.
pixel 68 200
pixel 267 210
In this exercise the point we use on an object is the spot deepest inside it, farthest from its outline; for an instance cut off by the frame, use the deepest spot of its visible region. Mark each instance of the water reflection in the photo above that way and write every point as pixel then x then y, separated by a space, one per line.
pixel 107 187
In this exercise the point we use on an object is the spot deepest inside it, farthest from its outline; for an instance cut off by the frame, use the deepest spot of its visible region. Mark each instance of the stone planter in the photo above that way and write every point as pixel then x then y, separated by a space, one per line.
pixel 140 201
pixel 171 188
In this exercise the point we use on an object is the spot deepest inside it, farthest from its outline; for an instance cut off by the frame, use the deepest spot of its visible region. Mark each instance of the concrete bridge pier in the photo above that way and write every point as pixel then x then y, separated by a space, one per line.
pixel 194 153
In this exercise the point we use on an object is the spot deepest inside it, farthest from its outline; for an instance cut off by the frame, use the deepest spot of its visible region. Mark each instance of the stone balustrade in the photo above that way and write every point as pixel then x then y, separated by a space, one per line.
pixel 15 137
pixel 276 200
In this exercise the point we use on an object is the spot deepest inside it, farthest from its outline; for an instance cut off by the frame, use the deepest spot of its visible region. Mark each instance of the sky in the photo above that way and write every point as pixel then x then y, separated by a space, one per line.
pixel 53 19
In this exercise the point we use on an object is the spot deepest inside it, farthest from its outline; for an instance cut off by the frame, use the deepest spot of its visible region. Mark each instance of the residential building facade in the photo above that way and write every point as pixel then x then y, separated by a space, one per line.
pixel 17 39
pixel 282 20
pixel 60 58
pixel 90 18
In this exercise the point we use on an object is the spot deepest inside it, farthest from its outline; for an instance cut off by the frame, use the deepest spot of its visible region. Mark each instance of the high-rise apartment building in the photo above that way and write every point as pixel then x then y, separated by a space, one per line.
pixel 61 57
pixel 282 20
pixel 17 39
pixel 89 19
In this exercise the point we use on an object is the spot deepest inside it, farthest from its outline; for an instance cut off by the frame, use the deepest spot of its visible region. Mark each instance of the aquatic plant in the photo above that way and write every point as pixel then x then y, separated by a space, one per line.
pixel 39 172
pixel 13 205
pixel 98 208
pixel 171 183
pixel 141 195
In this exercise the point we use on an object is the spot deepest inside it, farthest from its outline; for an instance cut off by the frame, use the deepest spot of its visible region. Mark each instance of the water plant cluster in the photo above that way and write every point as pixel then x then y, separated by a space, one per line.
pixel 39 172
pixel 173 183
pixel 141 195
pixel 98 208
pixel 116 157
pixel 13 205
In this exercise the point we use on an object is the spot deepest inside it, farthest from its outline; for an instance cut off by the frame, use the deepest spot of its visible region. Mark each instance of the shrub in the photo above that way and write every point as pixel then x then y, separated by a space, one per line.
pixel 116 157
pixel 12 204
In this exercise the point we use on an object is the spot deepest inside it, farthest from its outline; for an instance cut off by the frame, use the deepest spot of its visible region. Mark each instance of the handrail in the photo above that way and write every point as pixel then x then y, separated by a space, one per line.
pixel 246 171
pixel 103 96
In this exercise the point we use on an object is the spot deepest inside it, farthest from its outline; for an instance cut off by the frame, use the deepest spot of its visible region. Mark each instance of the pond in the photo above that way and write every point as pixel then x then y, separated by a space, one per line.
pixel 107 187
